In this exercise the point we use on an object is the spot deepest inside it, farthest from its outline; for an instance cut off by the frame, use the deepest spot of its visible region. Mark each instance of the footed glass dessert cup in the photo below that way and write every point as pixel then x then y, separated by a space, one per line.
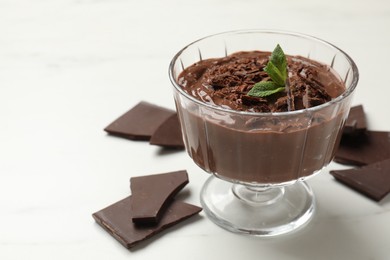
pixel 259 161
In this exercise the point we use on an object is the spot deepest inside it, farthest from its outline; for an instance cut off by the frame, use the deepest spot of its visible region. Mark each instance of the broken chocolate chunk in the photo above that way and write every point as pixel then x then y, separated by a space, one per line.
pixel 116 220
pixel 140 122
pixel 356 121
pixel 249 100
pixel 370 147
pixel 153 193
pixel 168 134
pixel 372 180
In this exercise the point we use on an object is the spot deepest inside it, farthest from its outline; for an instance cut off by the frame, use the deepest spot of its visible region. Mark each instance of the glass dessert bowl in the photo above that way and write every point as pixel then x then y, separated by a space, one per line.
pixel 260 160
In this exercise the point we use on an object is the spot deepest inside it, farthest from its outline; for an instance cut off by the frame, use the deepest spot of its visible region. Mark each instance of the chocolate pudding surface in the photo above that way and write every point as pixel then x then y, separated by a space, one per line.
pixel 260 147
pixel 226 81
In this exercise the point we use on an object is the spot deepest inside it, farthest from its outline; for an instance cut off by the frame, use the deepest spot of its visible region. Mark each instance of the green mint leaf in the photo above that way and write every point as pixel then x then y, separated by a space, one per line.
pixel 277 70
pixel 276 75
pixel 279 60
pixel 265 88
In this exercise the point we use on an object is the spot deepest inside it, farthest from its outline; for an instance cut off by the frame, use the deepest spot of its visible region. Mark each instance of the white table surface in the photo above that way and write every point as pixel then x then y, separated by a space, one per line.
pixel 70 67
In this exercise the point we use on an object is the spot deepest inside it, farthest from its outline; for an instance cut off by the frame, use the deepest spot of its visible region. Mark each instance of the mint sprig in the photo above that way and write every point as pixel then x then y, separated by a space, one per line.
pixel 277 70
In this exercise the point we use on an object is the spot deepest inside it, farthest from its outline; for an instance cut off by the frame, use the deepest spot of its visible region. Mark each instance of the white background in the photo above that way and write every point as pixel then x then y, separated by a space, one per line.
pixel 70 67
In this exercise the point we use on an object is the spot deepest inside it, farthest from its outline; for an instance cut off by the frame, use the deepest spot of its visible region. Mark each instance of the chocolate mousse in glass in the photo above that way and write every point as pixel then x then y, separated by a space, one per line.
pixel 260 149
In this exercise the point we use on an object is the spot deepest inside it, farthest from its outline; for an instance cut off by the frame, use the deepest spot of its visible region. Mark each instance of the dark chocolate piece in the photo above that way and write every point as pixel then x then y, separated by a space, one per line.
pixel 356 121
pixel 153 193
pixel 370 147
pixel 140 122
pixel 168 134
pixel 372 180
pixel 116 220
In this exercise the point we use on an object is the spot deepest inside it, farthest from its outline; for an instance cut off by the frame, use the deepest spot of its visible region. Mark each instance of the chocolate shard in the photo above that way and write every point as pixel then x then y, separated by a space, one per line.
pixel 153 193
pixel 116 220
pixel 168 134
pixel 140 122
pixel 372 180
pixel 370 147
pixel 356 122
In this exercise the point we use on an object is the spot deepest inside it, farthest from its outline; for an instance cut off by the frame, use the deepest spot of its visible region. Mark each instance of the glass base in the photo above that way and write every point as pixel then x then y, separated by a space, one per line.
pixel 259 211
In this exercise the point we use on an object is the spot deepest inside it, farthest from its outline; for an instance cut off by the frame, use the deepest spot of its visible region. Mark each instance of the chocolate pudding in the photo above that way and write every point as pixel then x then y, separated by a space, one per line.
pixel 226 82
pixel 272 139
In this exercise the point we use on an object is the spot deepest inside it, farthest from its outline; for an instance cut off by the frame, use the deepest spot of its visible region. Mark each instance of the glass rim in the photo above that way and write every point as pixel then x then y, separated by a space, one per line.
pixel 338 99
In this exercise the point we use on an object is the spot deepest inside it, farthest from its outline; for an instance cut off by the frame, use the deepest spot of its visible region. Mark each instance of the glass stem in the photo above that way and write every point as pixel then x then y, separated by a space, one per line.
pixel 258 196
